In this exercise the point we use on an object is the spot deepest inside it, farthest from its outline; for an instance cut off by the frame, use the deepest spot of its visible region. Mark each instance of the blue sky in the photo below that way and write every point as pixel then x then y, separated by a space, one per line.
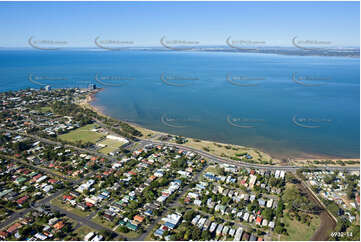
pixel 144 23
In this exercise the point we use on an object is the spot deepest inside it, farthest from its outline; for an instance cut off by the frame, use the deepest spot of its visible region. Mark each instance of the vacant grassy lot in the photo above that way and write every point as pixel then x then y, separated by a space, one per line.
pixel 82 231
pixel 46 109
pixel 57 202
pixel 130 234
pixel 111 145
pixel 102 221
pixel 82 134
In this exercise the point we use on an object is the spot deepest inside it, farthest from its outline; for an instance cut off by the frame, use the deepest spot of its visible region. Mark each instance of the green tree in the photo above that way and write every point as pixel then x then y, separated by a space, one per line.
pixel 189 215
pixel 267 213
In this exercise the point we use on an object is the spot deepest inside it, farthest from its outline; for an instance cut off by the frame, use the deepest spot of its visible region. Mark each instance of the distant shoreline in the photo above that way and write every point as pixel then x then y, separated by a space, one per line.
pixel 286 51
pixel 303 160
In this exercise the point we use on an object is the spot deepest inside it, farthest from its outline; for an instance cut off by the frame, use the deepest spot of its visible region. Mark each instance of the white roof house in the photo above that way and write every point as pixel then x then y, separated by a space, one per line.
pixel 89 236
pixel 225 230
pixel 219 229
pixel 269 203
pixel 238 234
pixel 197 202
pixel 245 217
pixel 195 219
pixel 213 227
pixel 201 222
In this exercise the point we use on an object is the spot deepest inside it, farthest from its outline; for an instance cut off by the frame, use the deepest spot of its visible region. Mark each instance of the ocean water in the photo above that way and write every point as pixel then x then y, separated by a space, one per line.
pixel 289 106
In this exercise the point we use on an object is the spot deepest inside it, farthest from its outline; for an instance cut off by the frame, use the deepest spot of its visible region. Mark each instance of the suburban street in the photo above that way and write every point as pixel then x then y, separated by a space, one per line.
pixel 82 220
pixel 172 205
pixel 87 220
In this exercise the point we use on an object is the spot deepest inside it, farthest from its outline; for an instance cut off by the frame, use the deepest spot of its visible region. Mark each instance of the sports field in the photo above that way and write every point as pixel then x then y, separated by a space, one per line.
pixel 111 145
pixel 83 134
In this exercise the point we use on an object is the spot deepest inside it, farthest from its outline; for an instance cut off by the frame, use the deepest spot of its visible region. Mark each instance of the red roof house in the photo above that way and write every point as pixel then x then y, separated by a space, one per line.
pixel 14 227
pixel 258 220
pixel 22 200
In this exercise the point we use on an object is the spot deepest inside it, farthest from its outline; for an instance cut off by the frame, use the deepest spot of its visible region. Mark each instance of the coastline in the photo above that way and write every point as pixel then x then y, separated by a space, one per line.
pixel 306 159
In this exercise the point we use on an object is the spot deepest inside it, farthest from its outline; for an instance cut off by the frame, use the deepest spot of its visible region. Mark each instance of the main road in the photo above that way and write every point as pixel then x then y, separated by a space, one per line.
pixel 245 164
pixel 231 162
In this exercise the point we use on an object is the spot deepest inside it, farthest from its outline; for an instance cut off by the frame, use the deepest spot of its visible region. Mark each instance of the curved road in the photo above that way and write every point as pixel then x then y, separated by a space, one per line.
pixel 244 164
pixel 231 162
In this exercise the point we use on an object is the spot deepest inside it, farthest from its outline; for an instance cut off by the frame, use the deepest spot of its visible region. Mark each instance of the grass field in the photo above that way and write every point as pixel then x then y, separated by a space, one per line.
pixel 111 145
pixel 298 231
pixel 46 109
pixel 222 150
pixel 212 169
pixel 103 222
pixel 215 148
pixel 130 235
pixel 83 134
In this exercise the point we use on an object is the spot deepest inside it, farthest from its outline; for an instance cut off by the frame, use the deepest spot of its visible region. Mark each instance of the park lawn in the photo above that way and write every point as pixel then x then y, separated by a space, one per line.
pixel 111 145
pixel 82 134
pixel 215 148
pixel 298 231
pixel 219 149
pixel 290 185
pixel 57 202
pixel 325 162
